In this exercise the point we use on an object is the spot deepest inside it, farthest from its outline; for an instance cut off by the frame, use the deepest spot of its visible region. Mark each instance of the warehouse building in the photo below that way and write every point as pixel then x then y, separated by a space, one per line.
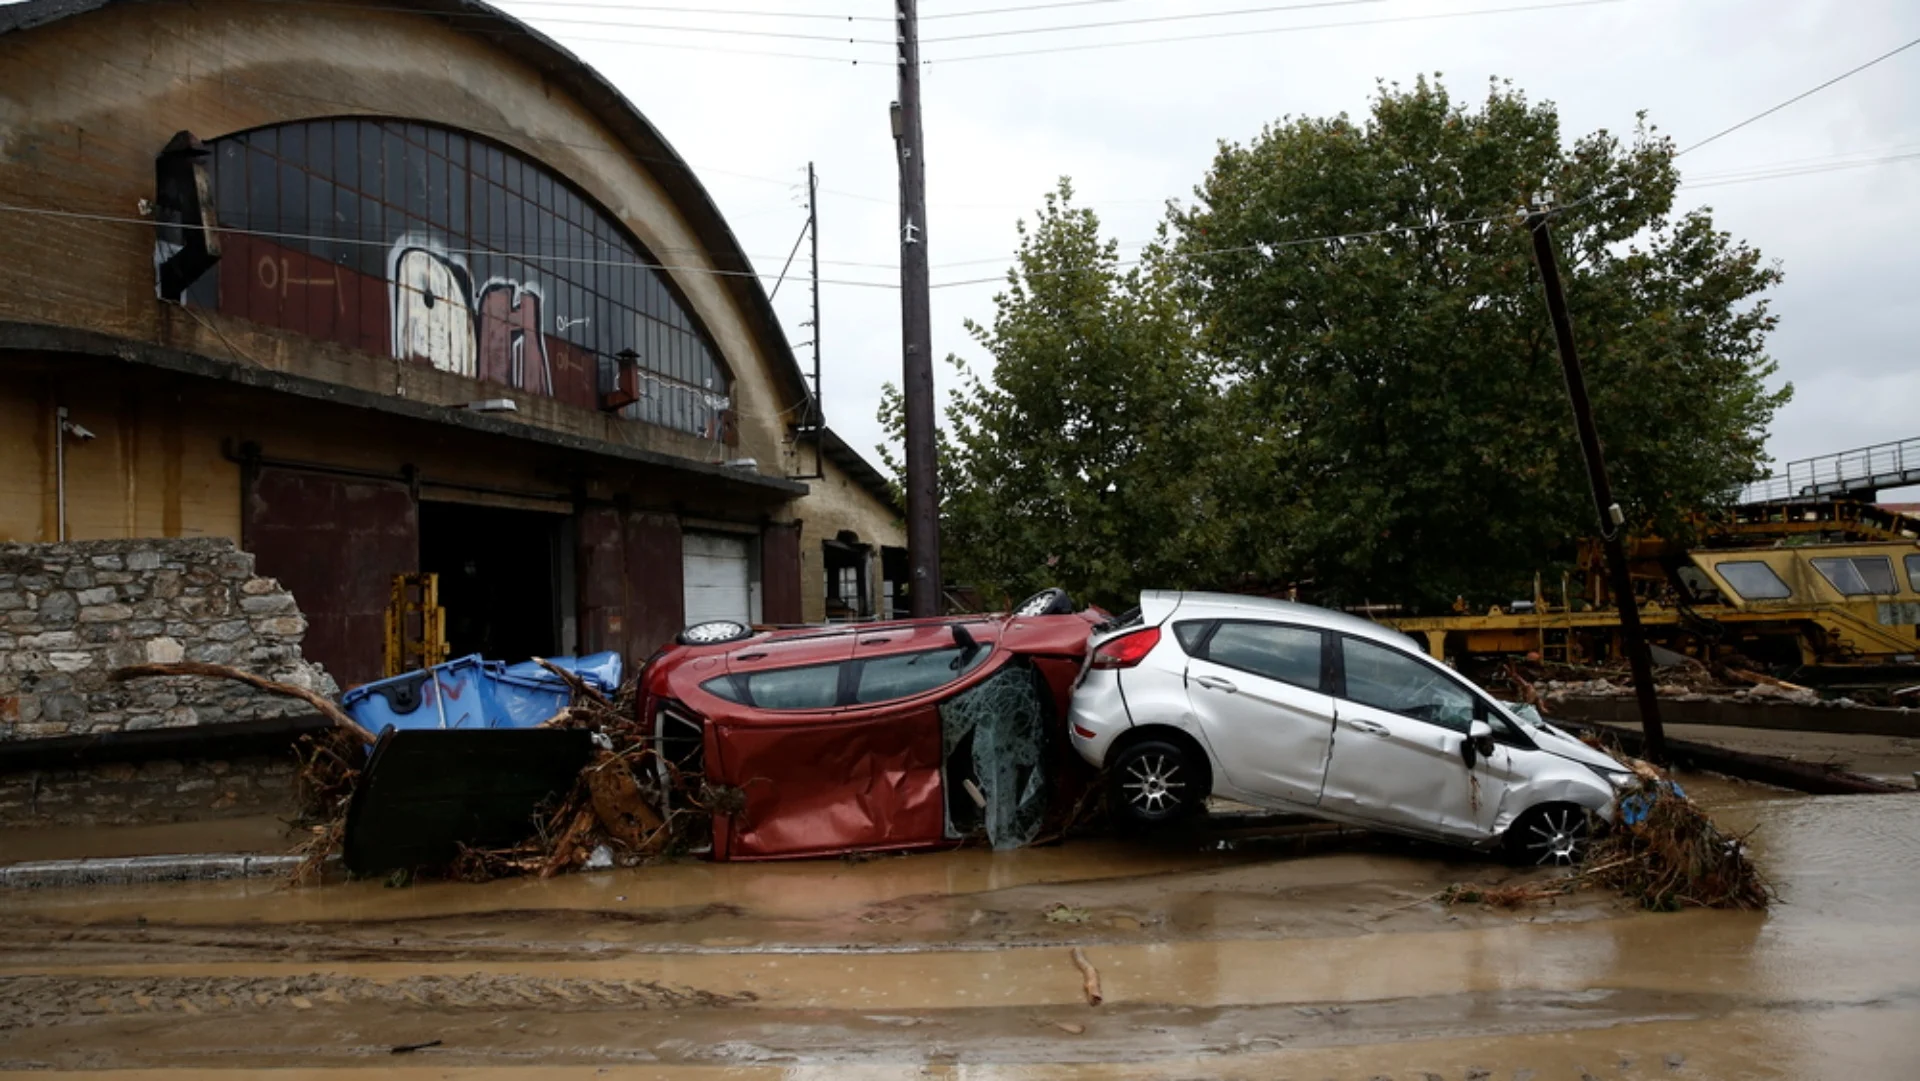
pixel 399 287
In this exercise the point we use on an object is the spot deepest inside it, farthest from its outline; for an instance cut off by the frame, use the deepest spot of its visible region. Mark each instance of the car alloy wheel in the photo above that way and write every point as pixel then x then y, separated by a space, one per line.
pixel 715 632
pixel 1552 836
pixel 1047 602
pixel 1154 782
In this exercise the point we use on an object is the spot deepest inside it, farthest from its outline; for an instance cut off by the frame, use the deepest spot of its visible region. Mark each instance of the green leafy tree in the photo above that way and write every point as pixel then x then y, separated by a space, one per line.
pixel 1405 433
pixel 1080 459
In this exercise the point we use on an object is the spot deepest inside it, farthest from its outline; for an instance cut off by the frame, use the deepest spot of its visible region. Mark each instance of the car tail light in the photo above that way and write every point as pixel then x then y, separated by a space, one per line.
pixel 1126 650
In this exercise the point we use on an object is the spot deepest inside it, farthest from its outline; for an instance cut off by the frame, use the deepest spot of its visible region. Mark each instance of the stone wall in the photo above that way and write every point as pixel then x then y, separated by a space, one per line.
pixel 152 791
pixel 72 613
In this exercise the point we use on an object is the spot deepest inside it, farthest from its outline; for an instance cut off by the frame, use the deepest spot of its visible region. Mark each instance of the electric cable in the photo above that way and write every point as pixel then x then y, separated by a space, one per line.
pixel 1149 19
pixel 1802 96
pixel 530 257
pixel 1214 36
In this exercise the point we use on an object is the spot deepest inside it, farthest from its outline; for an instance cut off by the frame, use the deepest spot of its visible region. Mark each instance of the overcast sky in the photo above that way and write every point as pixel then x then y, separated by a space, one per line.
pixel 1137 124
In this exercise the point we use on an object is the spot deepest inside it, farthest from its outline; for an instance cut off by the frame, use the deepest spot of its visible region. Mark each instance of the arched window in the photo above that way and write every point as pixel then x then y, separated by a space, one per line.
pixel 443 248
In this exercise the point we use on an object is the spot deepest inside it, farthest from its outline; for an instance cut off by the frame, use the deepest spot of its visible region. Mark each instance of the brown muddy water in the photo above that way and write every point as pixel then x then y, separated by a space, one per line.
pixel 1221 954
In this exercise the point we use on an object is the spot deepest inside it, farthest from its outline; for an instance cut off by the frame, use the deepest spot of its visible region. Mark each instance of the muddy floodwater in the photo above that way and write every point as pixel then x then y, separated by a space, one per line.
pixel 1225 953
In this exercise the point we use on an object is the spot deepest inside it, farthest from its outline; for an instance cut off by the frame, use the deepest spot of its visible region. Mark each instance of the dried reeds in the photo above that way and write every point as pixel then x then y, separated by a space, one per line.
pixel 1673 856
pixel 1669 856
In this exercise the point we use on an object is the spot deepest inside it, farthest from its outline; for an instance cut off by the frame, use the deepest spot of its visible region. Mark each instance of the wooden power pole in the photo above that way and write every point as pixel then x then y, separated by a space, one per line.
pixel 1612 521
pixel 916 323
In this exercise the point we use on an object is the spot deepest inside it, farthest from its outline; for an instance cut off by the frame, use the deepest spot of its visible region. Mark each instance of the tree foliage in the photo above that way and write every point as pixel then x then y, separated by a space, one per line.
pixel 1336 367
pixel 1075 461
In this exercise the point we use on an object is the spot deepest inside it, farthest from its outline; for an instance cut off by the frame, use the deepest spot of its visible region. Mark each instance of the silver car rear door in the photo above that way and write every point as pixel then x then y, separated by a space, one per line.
pixel 1256 690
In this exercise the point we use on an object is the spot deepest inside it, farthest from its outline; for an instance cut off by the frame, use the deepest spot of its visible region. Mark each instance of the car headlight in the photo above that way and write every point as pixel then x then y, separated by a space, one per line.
pixel 1620 778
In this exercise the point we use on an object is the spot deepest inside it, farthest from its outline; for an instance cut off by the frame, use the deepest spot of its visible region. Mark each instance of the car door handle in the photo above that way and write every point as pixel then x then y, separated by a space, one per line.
pixel 1369 727
pixel 1215 683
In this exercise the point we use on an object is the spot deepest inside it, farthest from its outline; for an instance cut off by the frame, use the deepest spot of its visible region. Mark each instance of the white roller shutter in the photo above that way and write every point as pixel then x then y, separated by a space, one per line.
pixel 719 582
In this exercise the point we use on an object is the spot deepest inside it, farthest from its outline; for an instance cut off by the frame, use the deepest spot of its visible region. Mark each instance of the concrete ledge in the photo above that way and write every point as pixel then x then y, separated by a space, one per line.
pixel 138 869
pixel 1785 716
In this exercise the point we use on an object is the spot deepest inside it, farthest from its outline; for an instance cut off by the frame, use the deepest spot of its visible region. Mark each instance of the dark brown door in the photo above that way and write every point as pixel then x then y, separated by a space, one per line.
pixel 780 573
pixel 335 542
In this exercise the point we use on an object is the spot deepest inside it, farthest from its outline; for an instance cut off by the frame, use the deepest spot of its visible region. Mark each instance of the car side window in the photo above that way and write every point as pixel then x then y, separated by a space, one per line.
pixel 904 675
pixel 813 687
pixel 1391 680
pixel 1274 650
pixel 1191 634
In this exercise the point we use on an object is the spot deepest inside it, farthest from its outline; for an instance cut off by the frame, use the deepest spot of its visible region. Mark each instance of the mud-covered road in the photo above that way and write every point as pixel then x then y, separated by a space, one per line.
pixel 1220 955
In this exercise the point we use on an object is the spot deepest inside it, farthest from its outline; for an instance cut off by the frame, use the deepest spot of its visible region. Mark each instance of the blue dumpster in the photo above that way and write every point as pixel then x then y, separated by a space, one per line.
pixel 471 692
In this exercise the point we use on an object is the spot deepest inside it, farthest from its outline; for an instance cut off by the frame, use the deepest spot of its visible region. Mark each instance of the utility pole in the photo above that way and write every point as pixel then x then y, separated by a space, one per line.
pixel 818 421
pixel 1612 521
pixel 916 325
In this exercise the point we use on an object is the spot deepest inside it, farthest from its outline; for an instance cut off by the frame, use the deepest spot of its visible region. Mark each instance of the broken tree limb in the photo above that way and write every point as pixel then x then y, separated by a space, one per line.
pixel 580 687
pixel 319 702
pixel 1090 977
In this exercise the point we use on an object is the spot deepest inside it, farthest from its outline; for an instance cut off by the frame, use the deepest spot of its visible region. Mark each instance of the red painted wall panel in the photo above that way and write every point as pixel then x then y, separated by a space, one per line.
pixel 336 543
pixel 780 573
pixel 656 590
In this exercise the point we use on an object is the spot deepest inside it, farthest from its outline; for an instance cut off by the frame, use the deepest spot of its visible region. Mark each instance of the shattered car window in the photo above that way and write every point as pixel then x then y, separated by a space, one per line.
pixel 995 735
pixel 905 675
pixel 1388 679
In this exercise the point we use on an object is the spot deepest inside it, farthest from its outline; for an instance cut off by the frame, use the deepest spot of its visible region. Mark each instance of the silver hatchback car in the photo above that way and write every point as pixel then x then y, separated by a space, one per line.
pixel 1296 708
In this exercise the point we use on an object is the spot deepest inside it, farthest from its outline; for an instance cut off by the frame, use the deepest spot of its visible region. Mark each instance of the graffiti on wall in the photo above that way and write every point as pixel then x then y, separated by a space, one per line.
pixel 440 317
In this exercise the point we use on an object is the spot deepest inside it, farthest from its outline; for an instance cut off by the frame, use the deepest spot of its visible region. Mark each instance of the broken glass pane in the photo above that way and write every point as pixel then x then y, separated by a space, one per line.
pixel 994 735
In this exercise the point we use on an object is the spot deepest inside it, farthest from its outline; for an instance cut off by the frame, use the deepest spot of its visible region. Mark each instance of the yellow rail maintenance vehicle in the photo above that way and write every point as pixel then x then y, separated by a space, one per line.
pixel 1815 579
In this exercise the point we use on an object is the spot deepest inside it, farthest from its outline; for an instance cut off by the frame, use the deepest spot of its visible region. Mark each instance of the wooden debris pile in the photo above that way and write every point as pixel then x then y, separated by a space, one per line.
pixel 631 804
pixel 1663 853
pixel 1672 856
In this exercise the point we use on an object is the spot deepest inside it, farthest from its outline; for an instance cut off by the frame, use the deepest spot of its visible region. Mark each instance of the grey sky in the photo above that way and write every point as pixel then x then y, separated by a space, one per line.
pixel 1136 125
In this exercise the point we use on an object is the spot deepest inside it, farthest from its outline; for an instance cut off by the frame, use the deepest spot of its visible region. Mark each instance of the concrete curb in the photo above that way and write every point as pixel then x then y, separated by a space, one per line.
pixel 130 870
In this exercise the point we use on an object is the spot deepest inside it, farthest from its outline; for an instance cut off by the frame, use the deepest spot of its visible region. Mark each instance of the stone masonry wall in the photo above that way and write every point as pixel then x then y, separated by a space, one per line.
pixel 71 613
pixel 143 793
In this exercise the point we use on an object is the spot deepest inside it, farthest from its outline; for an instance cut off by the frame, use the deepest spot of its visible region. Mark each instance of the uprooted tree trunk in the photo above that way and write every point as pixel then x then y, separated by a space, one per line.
pixel 318 701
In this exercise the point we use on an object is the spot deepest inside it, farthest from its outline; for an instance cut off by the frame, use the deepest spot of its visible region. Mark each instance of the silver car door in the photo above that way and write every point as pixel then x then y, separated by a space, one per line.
pixel 1397 751
pixel 1256 692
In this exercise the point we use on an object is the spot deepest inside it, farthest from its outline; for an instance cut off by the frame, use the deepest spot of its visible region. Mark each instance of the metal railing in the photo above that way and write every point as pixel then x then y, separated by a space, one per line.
pixel 1883 465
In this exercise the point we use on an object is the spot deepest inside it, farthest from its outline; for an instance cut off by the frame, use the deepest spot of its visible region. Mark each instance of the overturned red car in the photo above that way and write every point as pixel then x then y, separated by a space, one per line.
pixel 874 736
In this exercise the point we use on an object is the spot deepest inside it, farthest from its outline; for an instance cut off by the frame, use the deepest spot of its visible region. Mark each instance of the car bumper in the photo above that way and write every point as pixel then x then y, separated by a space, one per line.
pixel 1098 715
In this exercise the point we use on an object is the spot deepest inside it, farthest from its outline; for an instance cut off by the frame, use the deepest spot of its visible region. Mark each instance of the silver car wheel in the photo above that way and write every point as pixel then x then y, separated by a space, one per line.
pixel 1150 784
pixel 1555 836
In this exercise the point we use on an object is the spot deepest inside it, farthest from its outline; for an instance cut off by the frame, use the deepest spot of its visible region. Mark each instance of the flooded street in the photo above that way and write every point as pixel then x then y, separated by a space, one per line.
pixel 1297 955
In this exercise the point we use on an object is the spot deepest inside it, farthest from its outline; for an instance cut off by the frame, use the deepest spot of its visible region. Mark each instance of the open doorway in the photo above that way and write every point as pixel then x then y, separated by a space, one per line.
pixel 498 578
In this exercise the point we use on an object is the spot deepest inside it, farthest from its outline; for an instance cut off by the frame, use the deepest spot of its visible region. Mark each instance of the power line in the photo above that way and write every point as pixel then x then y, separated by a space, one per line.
pixel 1146 19
pixel 621 5
pixel 1807 170
pixel 484 16
pixel 1276 30
pixel 1799 97
pixel 1760 174
pixel 530 257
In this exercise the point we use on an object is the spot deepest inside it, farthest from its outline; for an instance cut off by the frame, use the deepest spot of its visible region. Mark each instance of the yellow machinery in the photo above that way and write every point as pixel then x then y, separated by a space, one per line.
pixel 1807 584
pixel 416 624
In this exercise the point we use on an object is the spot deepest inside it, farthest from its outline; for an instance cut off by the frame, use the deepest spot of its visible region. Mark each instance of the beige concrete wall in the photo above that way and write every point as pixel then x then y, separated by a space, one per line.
pixel 832 504
pixel 86 103
pixel 152 469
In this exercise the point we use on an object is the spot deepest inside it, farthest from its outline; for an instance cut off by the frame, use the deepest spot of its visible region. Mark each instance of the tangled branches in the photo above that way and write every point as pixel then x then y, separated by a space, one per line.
pixel 1672 856
pixel 1663 855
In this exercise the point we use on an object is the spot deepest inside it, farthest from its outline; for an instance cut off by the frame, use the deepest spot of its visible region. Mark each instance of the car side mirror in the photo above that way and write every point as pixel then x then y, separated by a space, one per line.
pixel 1478 744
